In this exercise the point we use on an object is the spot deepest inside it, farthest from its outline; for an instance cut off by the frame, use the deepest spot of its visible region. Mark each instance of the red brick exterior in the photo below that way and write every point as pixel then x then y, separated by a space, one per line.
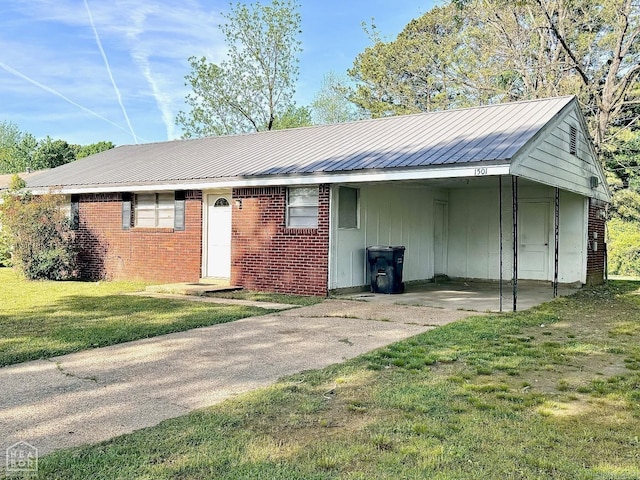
pixel 268 256
pixel 596 260
pixel 158 254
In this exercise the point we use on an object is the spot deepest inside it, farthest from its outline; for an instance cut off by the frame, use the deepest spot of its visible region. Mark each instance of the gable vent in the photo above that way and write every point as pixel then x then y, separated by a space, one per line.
pixel 573 140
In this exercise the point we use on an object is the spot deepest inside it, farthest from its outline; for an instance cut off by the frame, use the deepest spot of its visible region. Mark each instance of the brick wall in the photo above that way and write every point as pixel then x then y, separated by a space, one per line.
pixel 596 260
pixel 267 256
pixel 158 254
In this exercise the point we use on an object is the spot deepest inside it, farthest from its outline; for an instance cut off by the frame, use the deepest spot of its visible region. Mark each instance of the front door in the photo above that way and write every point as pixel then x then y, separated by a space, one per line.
pixel 218 236
pixel 533 245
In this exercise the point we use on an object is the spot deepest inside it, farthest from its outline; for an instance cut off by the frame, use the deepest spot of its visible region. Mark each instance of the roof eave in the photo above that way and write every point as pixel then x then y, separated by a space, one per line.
pixel 475 169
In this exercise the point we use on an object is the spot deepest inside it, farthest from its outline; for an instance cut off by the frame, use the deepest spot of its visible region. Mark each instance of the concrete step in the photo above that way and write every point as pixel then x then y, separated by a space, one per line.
pixel 199 288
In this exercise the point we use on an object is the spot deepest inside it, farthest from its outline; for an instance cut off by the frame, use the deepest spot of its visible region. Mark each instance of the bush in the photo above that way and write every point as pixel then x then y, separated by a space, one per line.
pixel 5 249
pixel 39 235
pixel 624 247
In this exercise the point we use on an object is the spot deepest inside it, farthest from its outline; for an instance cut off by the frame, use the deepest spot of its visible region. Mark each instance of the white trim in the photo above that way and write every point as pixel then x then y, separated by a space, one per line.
pixel 205 229
pixel 332 242
pixel 381 175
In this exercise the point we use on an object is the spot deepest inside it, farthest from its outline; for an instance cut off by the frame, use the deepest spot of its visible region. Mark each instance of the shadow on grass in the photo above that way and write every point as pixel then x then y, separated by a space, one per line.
pixel 75 323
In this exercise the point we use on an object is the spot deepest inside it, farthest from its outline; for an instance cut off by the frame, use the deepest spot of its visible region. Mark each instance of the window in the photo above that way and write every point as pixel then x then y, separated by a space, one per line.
pixel 302 207
pixel 154 210
pixel 348 207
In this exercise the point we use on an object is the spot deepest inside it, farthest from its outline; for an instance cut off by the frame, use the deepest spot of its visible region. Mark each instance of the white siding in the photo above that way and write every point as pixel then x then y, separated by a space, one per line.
pixel 547 159
pixel 389 215
pixel 474 246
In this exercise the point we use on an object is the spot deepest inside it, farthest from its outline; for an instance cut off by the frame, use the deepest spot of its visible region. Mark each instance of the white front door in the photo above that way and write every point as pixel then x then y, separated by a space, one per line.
pixel 533 245
pixel 218 236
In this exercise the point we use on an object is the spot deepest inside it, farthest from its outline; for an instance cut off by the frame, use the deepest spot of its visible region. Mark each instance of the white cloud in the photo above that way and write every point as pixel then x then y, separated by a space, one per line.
pixel 147 43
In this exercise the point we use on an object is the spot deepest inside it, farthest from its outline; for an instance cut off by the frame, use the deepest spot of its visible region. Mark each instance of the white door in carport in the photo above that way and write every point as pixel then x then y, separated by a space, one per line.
pixel 533 244
pixel 218 236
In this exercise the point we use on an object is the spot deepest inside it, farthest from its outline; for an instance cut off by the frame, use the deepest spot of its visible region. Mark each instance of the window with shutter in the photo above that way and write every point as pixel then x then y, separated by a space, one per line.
pixel 153 210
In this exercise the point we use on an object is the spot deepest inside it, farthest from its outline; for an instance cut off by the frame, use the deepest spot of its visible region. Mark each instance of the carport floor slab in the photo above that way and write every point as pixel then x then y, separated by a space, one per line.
pixel 471 296
pixel 98 394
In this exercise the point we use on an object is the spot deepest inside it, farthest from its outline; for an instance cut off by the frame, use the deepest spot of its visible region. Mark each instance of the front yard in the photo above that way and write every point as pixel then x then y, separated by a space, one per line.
pixel 42 319
pixel 551 393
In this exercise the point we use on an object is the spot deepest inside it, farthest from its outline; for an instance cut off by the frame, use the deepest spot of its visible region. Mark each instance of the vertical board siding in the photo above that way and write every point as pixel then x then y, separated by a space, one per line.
pixel 389 215
pixel 474 244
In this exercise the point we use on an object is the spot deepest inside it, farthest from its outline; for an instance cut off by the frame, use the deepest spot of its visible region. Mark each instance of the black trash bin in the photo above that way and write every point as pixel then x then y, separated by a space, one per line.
pixel 385 267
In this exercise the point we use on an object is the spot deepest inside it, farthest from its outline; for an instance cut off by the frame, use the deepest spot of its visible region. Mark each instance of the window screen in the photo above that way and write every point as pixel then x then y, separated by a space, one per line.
pixel 302 207
pixel 348 207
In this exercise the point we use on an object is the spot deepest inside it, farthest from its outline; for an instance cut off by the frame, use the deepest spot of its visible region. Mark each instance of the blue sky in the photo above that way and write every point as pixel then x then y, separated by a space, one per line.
pixel 54 79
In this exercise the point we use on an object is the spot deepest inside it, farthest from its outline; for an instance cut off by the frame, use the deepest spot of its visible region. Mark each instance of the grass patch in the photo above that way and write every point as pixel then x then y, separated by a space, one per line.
pixel 300 300
pixel 547 393
pixel 43 319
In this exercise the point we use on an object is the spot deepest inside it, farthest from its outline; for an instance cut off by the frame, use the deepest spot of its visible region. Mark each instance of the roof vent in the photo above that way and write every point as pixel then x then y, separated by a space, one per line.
pixel 573 140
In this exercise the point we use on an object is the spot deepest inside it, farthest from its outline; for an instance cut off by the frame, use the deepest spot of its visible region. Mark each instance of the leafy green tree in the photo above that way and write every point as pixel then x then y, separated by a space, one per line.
pixel 623 247
pixel 414 72
pixel 331 104
pixel 488 51
pixel 293 117
pixel 52 153
pixel 253 87
pixel 92 149
pixel 39 234
pixel 16 148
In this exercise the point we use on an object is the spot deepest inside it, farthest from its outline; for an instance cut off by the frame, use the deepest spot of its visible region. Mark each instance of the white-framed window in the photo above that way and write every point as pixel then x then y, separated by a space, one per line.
pixel 154 210
pixel 348 207
pixel 302 207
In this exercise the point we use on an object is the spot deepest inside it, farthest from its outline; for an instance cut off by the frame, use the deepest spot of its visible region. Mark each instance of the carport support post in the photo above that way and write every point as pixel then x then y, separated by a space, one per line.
pixel 556 242
pixel 514 197
pixel 500 223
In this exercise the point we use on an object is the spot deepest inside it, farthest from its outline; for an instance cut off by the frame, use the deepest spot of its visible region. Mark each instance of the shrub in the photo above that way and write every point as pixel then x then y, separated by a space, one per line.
pixel 5 249
pixel 39 235
pixel 624 247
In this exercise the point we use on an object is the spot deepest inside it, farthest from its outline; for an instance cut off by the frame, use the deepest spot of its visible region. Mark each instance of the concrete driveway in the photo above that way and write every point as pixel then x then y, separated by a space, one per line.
pixel 97 394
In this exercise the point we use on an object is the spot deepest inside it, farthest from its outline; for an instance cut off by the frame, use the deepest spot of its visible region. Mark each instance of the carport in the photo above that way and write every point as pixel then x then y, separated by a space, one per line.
pixel 475 296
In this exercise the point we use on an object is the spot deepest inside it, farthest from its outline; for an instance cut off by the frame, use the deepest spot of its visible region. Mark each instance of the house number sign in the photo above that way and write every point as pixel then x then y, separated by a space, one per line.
pixel 480 171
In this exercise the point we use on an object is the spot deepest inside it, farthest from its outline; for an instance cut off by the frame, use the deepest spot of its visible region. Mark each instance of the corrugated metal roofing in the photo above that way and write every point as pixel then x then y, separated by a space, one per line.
pixel 451 137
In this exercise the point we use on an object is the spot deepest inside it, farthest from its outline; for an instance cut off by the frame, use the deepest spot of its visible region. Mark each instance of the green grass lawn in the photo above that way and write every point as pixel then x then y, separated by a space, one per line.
pixel 551 393
pixel 43 319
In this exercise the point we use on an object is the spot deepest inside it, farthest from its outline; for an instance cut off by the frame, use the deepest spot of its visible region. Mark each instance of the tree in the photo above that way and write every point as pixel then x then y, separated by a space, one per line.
pixel 331 104
pixel 254 86
pixel 38 233
pixel 16 148
pixel 487 51
pixel 52 153
pixel 92 149
pixel 292 118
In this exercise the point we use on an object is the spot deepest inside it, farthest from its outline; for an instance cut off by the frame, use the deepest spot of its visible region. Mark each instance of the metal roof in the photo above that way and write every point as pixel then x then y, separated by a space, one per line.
pixel 492 133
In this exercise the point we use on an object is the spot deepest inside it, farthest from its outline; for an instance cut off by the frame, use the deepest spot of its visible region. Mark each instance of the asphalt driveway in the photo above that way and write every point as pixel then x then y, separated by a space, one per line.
pixel 94 395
